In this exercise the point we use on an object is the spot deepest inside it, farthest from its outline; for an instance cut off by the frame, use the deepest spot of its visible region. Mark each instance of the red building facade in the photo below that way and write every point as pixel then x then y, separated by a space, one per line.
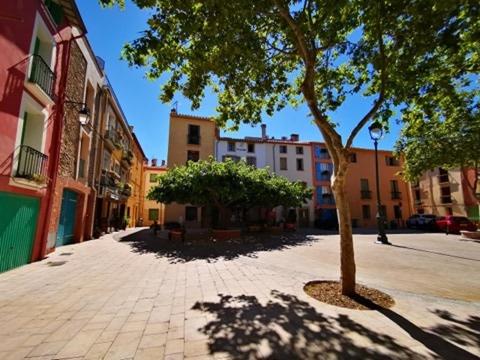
pixel 36 39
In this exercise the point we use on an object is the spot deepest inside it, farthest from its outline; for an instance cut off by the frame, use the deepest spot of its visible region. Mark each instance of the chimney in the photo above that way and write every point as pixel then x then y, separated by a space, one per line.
pixel 264 131
pixel 154 162
pixel 163 162
pixel 294 137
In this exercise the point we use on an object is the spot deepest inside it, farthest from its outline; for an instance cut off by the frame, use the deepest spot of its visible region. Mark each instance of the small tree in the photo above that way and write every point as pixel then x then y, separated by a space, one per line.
pixel 227 185
pixel 260 56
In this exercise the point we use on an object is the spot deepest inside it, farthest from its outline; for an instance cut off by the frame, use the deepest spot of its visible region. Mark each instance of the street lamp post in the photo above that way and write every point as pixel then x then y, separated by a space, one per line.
pixel 376 133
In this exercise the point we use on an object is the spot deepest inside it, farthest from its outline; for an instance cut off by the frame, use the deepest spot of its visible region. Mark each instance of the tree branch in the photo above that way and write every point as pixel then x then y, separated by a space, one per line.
pixel 381 96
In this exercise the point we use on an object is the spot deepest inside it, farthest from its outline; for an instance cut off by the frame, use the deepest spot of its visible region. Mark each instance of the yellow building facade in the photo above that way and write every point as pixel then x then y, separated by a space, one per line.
pixel 135 201
pixel 152 210
pixel 190 138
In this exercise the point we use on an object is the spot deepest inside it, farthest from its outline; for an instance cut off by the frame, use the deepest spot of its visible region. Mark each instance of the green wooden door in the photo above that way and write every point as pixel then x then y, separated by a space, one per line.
pixel 66 224
pixel 18 225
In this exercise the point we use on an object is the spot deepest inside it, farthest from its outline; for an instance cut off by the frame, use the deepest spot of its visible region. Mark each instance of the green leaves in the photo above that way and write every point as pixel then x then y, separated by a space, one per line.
pixel 227 184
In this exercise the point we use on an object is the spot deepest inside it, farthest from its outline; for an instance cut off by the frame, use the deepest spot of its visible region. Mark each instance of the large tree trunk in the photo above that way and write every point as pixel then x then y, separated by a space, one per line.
pixel 347 258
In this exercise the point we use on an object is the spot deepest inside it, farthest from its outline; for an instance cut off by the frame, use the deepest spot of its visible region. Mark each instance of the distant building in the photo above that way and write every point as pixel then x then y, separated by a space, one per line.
pixel 152 210
pixel 190 138
pixel 446 192
pixel 287 156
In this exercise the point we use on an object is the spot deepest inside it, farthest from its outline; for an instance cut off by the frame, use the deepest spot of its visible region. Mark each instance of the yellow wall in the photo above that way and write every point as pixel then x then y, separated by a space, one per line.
pixel 150 204
pixel 135 201
pixel 177 152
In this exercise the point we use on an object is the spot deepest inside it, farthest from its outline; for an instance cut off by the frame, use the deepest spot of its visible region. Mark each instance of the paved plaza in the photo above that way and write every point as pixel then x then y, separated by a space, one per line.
pixel 133 296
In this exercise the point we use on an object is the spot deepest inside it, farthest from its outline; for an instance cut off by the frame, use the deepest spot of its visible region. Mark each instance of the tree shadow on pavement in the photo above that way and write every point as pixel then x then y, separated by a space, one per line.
pixel 286 327
pixel 463 332
pixel 144 242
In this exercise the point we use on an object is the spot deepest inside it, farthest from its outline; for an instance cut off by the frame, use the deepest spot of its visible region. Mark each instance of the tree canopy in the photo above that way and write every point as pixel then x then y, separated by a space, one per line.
pixel 260 56
pixel 227 184
pixel 428 142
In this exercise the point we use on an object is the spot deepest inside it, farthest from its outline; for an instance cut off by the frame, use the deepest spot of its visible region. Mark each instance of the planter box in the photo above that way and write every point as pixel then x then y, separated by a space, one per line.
pixel 474 235
pixel 227 234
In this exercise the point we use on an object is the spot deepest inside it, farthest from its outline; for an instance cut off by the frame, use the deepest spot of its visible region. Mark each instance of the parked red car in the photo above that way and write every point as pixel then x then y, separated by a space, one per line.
pixel 453 224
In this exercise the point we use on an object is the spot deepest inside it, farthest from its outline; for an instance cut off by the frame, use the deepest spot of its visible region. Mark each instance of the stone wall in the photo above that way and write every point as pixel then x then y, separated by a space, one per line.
pixel 71 127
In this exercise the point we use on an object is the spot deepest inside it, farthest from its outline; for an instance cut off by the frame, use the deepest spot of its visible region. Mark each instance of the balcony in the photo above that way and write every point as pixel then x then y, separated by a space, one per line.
pixel 111 139
pixel 126 190
pixel 365 194
pixel 418 202
pixel 396 195
pixel 193 139
pixel 41 80
pixel 32 165
pixel 326 199
pixel 127 157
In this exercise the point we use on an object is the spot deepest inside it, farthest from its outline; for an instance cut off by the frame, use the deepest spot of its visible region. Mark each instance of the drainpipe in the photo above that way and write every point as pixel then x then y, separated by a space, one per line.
pixel 57 140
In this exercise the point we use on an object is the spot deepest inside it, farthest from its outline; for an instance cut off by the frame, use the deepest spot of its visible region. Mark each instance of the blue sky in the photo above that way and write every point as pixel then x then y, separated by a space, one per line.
pixel 109 29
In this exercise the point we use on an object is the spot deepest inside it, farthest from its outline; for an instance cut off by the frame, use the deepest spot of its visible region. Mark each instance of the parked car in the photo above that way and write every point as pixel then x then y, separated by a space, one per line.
pixel 453 224
pixel 422 221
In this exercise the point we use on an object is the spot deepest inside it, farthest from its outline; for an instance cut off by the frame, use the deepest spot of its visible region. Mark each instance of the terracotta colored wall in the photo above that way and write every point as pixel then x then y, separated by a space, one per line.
pixel 364 168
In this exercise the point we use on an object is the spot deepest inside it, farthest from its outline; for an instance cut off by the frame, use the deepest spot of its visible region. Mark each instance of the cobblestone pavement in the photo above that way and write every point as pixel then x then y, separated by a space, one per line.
pixel 140 298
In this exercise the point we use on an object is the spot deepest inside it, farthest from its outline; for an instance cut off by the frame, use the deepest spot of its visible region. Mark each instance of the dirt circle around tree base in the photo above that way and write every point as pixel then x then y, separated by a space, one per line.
pixel 329 292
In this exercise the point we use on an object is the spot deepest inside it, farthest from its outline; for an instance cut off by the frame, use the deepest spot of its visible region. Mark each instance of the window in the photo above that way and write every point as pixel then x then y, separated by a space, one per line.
pixel 366 212
pixel 300 164
pixel 323 171
pixel 153 178
pixel 106 160
pixel 193 155
pixel 391 161
pixel 445 195
pixel 321 152
pixel 299 150
pixel 251 148
pixel 190 213
pixel 251 160
pixel 396 194
pixel 152 214
pixel 283 163
pixel 231 146
pixel 352 158
pixel 397 211
pixel 283 149
pixel 442 176
pixel 365 189
pixel 193 136
pixel 324 195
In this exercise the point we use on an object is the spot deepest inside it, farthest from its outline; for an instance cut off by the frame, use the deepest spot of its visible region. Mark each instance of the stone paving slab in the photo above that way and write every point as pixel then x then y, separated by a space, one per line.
pixel 141 298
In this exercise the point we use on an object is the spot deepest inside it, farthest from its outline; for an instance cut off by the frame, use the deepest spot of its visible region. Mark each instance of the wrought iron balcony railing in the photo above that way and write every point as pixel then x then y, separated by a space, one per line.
pixel 32 164
pixel 42 75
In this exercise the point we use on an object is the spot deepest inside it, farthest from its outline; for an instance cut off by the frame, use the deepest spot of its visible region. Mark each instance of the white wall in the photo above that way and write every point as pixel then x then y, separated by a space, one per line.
pixel 221 149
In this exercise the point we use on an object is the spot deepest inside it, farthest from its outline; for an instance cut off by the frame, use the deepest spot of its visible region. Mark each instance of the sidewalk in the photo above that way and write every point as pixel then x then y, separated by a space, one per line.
pixel 119 300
